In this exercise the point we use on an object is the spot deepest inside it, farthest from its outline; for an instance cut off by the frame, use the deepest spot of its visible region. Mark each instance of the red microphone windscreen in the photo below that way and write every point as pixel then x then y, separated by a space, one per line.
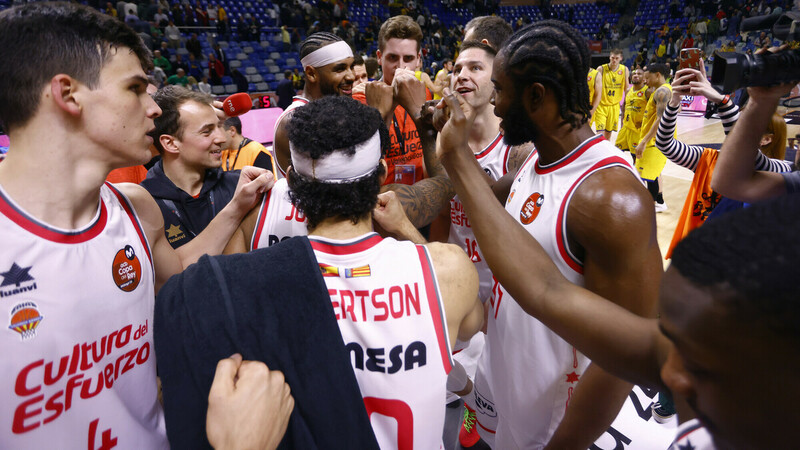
pixel 237 104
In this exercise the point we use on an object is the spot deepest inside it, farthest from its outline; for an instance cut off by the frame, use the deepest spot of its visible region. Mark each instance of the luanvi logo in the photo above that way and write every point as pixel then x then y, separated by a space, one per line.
pixel 16 281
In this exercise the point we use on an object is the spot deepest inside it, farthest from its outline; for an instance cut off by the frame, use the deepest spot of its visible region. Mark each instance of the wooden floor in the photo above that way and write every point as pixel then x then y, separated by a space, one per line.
pixel 675 180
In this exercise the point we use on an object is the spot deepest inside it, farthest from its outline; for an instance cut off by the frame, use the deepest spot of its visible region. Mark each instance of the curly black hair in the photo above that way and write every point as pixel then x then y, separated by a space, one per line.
pixel 751 253
pixel 320 128
pixel 555 54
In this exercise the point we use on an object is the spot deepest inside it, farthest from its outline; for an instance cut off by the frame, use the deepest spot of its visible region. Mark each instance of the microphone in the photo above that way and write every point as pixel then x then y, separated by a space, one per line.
pixel 237 104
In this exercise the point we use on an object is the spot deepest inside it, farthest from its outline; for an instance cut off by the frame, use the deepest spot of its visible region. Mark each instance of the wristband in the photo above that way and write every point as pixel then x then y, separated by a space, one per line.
pixel 725 99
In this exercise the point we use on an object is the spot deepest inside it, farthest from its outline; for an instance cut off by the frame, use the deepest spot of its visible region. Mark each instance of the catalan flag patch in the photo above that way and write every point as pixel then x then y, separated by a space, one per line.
pixel 328 271
pixel 362 271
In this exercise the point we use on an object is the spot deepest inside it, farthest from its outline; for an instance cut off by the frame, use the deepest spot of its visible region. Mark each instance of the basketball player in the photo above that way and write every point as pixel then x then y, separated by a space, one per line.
pixel 632 113
pixel 400 352
pixel 328 66
pixel 611 82
pixel 442 78
pixel 472 78
pixel 491 30
pixel 590 78
pixel 81 259
pixel 649 159
pixel 540 97
pixel 726 339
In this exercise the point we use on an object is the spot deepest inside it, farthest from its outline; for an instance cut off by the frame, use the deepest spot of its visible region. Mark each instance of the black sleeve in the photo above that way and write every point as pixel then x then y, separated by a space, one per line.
pixel 264 161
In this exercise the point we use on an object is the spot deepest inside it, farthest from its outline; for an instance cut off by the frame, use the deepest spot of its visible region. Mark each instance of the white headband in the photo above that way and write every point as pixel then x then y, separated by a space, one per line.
pixel 330 53
pixel 337 167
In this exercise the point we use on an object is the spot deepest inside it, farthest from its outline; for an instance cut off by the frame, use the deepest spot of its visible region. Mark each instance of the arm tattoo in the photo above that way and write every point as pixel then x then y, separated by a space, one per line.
pixel 518 154
pixel 423 200
pixel 662 99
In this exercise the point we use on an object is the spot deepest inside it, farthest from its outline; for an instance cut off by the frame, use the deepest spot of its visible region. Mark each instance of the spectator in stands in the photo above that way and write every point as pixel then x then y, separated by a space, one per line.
pixel 701 28
pixel 221 57
pixel 242 85
pixel 240 151
pixel 179 78
pixel 173 35
pixel 193 68
pixel 194 47
pixel 161 19
pixel 179 64
pixel 285 90
pixel 298 80
pixel 110 10
pixel 215 69
pixel 286 38
pixel 203 85
pixel 188 184
pixel 223 27
pixel 161 62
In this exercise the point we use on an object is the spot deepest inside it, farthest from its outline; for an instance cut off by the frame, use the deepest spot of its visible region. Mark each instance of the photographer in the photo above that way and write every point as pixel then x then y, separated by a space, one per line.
pixel 701 200
pixel 735 177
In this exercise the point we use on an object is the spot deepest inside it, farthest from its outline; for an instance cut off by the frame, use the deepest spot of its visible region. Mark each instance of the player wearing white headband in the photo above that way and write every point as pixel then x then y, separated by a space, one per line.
pixel 399 337
pixel 328 66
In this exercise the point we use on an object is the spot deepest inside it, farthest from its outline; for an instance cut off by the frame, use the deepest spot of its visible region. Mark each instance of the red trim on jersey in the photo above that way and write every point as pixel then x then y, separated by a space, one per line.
pixel 299 99
pixel 434 303
pixel 126 205
pixel 358 246
pixel 561 237
pixel 262 216
pixel 479 423
pixel 490 147
pixel 42 230
pixel 572 156
pixel 505 159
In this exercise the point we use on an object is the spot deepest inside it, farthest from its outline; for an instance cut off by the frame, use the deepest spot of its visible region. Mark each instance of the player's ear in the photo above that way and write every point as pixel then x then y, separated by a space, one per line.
pixel 311 74
pixel 169 143
pixel 63 89
pixel 533 97
pixel 385 171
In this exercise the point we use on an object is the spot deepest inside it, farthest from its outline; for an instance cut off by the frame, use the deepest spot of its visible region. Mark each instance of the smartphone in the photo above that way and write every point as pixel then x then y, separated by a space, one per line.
pixel 691 58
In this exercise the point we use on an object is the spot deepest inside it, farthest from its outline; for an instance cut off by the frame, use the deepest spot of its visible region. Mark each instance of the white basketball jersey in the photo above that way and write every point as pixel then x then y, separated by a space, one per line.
pixel 387 304
pixel 297 101
pixel 78 364
pixel 693 435
pixel 494 160
pixel 278 219
pixel 534 371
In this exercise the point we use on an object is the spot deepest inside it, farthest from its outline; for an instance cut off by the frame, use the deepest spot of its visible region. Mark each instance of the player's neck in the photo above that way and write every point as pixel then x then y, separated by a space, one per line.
pixel 188 179
pixel 342 228
pixel 312 92
pixel 636 87
pixel 484 129
pixel 613 67
pixel 559 140
pixel 53 177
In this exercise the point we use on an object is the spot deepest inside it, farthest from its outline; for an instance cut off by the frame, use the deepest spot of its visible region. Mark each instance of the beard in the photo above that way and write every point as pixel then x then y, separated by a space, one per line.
pixel 518 128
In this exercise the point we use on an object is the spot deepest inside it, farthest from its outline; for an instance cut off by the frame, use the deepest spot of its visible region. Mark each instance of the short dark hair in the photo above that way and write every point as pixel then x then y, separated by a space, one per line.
pixel 553 53
pixel 663 69
pixel 234 122
pixel 399 27
pixel 43 39
pixel 371 64
pixel 752 254
pixel 287 74
pixel 316 41
pixel 492 28
pixel 358 60
pixel 169 99
pixel 478 44
pixel 615 51
pixel 320 128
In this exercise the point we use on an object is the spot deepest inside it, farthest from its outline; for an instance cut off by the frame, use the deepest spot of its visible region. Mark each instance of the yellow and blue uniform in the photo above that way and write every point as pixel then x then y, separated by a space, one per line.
pixel 606 116
pixel 652 161
pixel 635 103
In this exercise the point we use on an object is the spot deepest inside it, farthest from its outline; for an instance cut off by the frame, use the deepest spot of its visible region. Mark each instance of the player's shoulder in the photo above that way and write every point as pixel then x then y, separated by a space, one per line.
pixel 447 256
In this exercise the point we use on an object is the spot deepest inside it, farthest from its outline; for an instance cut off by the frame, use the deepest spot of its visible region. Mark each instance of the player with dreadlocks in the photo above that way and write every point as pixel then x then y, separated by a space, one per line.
pixel 328 66
pixel 575 181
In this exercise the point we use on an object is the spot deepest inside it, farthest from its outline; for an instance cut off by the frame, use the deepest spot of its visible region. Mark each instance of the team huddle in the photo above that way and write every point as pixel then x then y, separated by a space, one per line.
pixel 530 296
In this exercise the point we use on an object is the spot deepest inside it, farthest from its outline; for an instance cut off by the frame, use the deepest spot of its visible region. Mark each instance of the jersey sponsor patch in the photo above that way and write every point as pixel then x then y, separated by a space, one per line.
pixel 16 280
pixel 126 269
pixel 530 209
pixel 25 318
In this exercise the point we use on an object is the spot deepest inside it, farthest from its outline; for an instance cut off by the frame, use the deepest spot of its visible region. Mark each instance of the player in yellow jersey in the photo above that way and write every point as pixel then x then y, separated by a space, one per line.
pixel 649 160
pixel 609 85
pixel 590 81
pixel 633 112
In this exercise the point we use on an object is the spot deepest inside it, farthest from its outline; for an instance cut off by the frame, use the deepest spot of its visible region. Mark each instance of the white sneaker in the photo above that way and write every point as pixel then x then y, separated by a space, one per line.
pixel 661 207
